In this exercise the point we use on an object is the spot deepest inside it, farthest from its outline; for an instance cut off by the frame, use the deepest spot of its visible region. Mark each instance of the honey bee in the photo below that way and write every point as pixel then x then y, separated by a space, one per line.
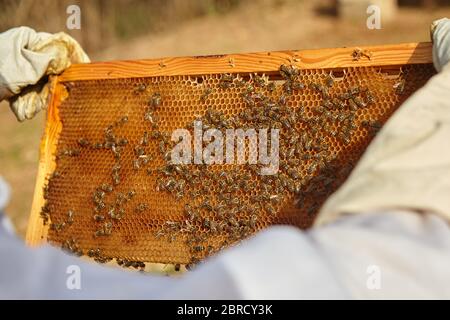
pixel 71 246
pixel 122 142
pixel 109 144
pixel 357 54
pixel 359 102
pixel 131 194
pixel 98 145
pixel 287 87
pixel 100 205
pixel 198 248
pixel 271 210
pixel 344 137
pixel 172 225
pixel 55 174
pixel 226 80
pixel 112 213
pixel 116 179
pixel 57 226
pixel 116 152
pixel 99 217
pixel 159 234
pixel 329 80
pixel 155 100
pixel 260 81
pixel 70 215
pixel 46 190
pixel 106 187
pixel 93 253
pixel 373 125
pixel 352 104
pixel 98 195
pixel 399 87
pixel 107 228
pixel 144 159
pixel 297 85
pixel 338 103
pixel 370 98
pixel 144 139
pixel 140 88
pixel 120 199
pixel 136 164
pixel 83 142
pixel 162 147
pixel 123 120
pixel 320 88
pixel 233 222
pixel 282 100
pixel 155 134
pixel 288 72
pixel 99 233
pixel 138 150
pixel 205 94
pixel 116 167
pixel 141 207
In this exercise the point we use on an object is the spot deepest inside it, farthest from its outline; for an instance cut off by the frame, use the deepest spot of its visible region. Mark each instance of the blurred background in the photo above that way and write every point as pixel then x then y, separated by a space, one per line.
pixel 133 29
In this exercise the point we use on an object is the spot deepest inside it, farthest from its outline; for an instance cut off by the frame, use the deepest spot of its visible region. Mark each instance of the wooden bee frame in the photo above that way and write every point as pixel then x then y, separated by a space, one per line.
pixel 384 57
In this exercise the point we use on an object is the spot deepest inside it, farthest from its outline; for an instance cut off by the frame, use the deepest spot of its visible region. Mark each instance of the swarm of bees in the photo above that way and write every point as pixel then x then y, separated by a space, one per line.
pixel 226 214
pixel 222 206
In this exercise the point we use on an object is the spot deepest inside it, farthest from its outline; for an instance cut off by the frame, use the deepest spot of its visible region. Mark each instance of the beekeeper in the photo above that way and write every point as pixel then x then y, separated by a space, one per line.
pixel 383 234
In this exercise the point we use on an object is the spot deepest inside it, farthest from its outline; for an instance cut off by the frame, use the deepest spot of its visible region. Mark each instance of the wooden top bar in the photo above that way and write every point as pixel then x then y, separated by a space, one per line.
pixel 384 55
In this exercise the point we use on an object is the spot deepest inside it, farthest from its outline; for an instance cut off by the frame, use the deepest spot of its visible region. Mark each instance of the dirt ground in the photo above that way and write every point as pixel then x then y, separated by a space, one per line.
pixel 256 26
pixel 292 25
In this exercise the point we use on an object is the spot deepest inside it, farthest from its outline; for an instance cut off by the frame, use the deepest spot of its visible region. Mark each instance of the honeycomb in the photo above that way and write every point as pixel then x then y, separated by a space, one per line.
pixel 116 196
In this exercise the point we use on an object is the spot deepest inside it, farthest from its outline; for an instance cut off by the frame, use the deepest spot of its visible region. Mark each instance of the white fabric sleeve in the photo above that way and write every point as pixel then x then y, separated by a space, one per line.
pixel 389 255
pixel 41 273
pixel 380 255
pixel 407 165
pixel 377 255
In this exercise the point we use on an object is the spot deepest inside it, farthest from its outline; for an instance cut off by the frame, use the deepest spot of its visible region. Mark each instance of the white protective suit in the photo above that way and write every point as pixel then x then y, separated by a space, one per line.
pixel 383 234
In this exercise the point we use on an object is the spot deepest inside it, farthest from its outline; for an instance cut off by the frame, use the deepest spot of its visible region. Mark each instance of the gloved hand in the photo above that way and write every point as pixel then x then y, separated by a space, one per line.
pixel 407 166
pixel 26 57
pixel 440 34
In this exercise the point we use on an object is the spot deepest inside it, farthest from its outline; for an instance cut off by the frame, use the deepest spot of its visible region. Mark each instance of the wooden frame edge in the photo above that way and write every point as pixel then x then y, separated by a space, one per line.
pixel 36 231
pixel 383 55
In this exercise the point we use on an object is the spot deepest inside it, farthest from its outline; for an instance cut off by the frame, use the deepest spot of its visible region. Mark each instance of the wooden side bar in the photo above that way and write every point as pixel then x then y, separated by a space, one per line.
pixel 36 231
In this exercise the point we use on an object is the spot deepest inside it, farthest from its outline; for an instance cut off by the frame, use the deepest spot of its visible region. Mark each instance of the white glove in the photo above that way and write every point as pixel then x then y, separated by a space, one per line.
pixel 26 57
pixel 408 163
pixel 440 34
